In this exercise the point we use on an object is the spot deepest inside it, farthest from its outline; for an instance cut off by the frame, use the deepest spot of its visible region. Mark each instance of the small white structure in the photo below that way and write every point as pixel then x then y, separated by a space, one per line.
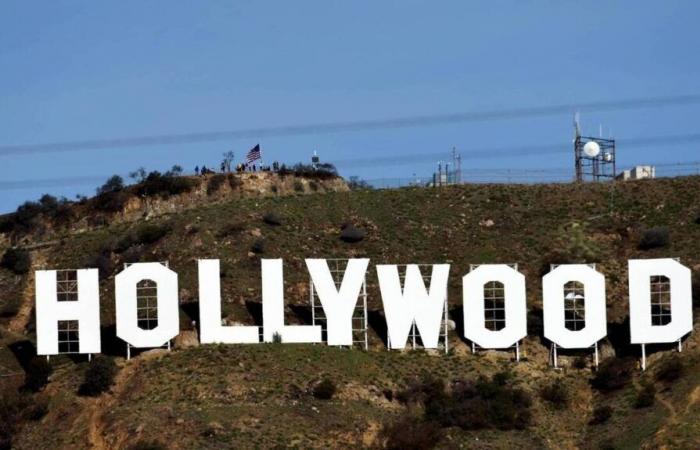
pixel 638 173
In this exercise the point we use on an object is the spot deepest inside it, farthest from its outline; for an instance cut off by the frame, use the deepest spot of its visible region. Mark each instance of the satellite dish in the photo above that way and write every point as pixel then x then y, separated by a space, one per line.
pixel 607 156
pixel 591 149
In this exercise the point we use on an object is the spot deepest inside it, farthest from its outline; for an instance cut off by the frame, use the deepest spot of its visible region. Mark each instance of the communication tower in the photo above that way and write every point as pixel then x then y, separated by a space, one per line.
pixel 594 156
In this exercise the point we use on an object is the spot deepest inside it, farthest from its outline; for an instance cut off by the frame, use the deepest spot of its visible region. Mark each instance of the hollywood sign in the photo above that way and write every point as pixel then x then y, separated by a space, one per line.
pixel 660 305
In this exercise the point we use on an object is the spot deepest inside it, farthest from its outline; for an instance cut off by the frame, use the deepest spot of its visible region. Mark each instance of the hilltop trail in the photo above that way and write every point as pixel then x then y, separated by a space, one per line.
pixel 99 406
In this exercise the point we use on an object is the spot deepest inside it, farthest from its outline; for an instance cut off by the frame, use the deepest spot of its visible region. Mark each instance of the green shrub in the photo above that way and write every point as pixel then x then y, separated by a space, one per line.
pixel 231 229
pixel 654 238
pixel 320 171
pixel 272 219
pixel 324 390
pixel 215 183
pixel 99 376
pixel 28 215
pixel 151 233
pixel 113 184
pixel 601 414
pixel 356 184
pixel 258 247
pixel 409 433
pixel 12 405
pixel 556 393
pixel 613 374
pixel 37 409
pixel 581 362
pixel 164 185
pixel 145 234
pixel 486 403
pixel 37 374
pixel 17 260
pixel 645 395
pixel 670 368
pixel 110 202
pixel 351 235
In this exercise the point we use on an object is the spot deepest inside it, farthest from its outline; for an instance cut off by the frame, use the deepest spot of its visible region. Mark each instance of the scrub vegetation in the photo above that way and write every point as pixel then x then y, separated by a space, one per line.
pixel 313 396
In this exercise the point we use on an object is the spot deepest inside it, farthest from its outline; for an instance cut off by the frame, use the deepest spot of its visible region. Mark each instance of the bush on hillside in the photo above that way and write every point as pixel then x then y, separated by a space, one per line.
pixel 320 171
pixel 17 260
pixel 645 395
pixel 12 404
pixel 99 376
pixel 670 368
pixel 272 218
pixel 37 374
pixel 215 183
pixel 164 185
pixel 298 186
pixel 324 390
pixel 581 362
pixel 357 184
pixel 409 433
pixel 612 374
pixel 113 184
pixel 151 233
pixel 231 229
pixel 601 414
pixel 145 234
pixel 472 405
pixel 258 247
pixel 351 235
pixel 28 215
pixel 573 244
pixel 555 393
pixel 654 238
pixel 111 202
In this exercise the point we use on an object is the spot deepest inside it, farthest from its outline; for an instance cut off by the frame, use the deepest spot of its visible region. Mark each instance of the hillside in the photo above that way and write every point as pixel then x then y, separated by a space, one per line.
pixel 262 396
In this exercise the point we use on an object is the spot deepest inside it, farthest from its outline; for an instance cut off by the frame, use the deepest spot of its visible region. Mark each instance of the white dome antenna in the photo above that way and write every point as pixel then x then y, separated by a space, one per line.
pixel 591 149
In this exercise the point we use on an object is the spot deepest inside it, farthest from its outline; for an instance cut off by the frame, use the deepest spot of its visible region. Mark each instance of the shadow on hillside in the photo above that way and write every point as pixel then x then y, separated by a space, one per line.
pixel 191 310
pixel 303 313
pixel 377 322
pixel 255 311
pixel 24 351
pixel 111 344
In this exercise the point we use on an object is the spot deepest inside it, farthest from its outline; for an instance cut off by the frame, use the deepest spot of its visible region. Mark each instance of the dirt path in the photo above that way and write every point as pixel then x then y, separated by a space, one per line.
pixel 19 323
pixel 96 408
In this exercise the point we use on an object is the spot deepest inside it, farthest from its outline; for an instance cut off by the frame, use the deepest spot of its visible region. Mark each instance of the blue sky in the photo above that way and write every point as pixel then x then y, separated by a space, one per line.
pixel 78 70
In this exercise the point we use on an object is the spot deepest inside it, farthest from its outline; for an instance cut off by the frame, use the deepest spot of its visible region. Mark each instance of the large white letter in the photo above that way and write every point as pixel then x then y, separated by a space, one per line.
pixel 127 305
pixel 49 311
pixel 414 304
pixel 273 308
pixel 592 300
pixel 338 305
pixel 211 329
pixel 513 283
pixel 677 298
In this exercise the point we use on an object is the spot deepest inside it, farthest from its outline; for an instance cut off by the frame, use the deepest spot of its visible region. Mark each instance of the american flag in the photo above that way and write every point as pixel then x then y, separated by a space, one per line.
pixel 253 154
